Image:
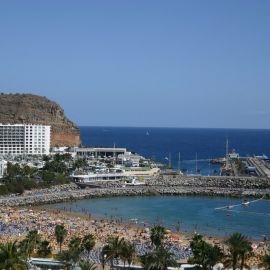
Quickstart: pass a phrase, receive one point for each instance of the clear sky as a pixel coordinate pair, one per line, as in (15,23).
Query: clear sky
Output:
(142,62)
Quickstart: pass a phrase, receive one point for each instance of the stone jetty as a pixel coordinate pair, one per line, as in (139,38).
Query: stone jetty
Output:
(161,185)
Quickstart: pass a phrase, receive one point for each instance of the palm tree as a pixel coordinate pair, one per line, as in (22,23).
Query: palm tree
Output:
(266,261)
(44,249)
(157,235)
(112,249)
(23,247)
(60,233)
(30,243)
(127,253)
(159,259)
(71,256)
(87,266)
(205,256)
(11,258)
(75,249)
(75,242)
(65,257)
(33,238)
(88,243)
(239,248)
(246,251)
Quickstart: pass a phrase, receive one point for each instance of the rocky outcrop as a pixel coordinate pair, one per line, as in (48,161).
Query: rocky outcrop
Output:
(32,109)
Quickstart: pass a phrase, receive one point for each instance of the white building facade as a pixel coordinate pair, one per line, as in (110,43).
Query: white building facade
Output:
(3,167)
(24,139)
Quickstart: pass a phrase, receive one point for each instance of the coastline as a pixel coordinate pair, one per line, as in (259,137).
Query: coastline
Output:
(35,207)
(79,224)
(72,192)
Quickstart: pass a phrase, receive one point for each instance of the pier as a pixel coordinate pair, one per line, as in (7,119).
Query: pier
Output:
(262,168)
(247,166)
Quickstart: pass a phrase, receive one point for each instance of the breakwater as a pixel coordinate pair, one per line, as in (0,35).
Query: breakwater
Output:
(212,181)
(161,185)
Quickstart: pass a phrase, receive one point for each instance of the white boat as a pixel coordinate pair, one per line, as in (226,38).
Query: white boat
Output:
(245,203)
(93,179)
(134,182)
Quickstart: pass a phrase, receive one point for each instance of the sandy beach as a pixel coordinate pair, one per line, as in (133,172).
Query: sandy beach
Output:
(16,222)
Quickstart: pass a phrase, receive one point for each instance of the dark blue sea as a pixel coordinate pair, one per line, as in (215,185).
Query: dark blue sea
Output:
(158,143)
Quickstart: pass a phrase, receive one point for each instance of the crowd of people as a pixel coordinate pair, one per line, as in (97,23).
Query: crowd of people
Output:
(17,222)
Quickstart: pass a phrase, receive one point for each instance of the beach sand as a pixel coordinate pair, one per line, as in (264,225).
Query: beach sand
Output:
(18,221)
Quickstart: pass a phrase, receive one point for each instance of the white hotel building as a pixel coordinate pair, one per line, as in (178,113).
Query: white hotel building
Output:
(24,139)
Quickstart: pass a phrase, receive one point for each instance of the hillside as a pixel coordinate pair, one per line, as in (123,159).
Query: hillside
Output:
(32,109)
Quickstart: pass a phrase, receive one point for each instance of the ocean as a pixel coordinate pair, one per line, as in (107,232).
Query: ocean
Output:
(160,143)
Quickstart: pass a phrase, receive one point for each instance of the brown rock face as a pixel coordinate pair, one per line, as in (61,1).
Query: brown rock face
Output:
(32,109)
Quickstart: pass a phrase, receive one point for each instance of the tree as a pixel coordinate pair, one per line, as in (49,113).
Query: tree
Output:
(204,254)
(75,249)
(44,249)
(266,261)
(80,163)
(88,243)
(30,243)
(87,266)
(11,258)
(159,259)
(33,238)
(246,252)
(127,253)
(60,233)
(75,242)
(72,255)
(157,235)
(239,247)
(112,249)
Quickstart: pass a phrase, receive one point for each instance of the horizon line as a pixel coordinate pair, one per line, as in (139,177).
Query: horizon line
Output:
(172,127)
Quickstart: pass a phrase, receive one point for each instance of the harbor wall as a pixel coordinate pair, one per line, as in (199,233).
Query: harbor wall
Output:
(212,181)
(161,185)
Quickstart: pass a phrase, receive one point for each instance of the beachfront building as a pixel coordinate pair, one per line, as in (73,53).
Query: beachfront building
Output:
(24,139)
(3,167)
(99,152)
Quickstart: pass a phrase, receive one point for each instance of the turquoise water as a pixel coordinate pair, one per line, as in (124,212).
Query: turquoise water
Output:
(192,213)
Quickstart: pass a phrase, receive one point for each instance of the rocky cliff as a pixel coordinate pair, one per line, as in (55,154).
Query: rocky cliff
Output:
(32,109)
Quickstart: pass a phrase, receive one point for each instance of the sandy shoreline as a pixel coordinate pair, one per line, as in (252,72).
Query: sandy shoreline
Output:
(20,214)
(44,219)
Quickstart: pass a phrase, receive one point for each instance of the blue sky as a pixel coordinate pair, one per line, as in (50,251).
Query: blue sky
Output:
(142,63)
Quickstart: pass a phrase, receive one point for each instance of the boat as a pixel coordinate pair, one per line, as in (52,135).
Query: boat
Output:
(134,182)
(245,203)
(95,179)
(179,164)
(197,170)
